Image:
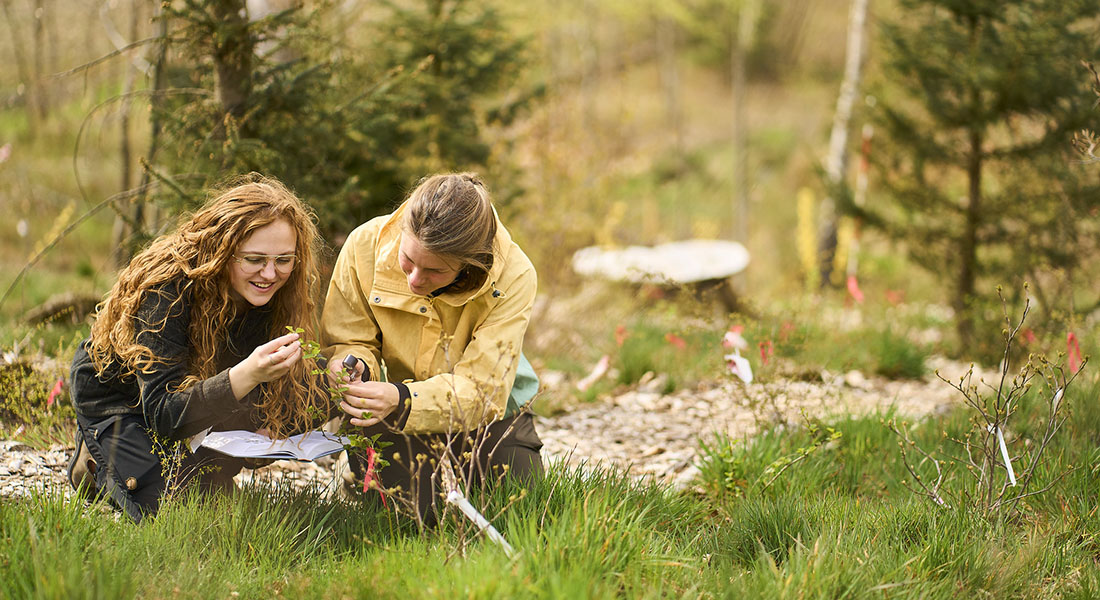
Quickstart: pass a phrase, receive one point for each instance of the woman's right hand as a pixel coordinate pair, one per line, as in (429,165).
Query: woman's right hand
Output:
(267,362)
(340,375)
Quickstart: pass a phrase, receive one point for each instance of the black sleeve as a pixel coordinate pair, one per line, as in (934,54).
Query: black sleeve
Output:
(403,405)
(162,325)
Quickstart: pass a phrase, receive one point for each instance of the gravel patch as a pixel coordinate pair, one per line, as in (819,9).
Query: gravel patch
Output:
(657,436)
(642,431)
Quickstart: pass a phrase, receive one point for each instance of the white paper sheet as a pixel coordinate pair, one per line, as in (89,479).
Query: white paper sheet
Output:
(247,444)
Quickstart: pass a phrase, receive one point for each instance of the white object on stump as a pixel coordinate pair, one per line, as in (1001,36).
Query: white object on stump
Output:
(688,261)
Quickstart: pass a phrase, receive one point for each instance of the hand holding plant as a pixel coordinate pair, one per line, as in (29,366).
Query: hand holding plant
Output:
(368,402)
(340,378)
(267,362)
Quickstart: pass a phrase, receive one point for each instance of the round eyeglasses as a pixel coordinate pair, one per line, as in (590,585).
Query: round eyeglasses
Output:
(254,263)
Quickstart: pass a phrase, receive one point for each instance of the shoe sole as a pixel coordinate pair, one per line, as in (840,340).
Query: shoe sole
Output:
(85,486)
(72,460)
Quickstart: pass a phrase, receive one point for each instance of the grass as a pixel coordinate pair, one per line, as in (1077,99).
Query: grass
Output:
(687,355)
(579,535)
(871,344)
(838,524)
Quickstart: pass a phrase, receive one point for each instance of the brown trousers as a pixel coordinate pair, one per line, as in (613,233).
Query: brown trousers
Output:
(508,448)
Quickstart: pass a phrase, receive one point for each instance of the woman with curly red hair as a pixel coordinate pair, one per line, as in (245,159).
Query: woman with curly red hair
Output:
(193,336)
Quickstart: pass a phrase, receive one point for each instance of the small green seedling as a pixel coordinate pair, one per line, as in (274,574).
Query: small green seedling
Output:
(357,443)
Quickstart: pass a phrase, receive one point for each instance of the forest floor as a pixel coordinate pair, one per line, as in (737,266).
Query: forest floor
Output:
(647,433)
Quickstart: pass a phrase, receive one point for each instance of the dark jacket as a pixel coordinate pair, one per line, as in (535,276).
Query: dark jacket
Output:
(168,411)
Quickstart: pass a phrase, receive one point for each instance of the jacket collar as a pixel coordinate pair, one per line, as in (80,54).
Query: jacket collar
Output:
(389,276)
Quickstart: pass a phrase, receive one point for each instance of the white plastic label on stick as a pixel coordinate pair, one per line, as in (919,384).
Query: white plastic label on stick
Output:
(1004,454)
(740,367)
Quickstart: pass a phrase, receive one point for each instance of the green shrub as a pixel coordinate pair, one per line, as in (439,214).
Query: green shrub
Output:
(25,403)
(897,357)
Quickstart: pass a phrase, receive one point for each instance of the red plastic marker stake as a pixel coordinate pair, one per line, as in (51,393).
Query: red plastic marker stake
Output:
(1073,352)
(55,392)
(372,475)
(765,351)
(853,289)
(785,331)
(676,340)
(620,335)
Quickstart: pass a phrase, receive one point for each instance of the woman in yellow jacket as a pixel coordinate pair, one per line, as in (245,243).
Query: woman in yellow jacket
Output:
(433,301)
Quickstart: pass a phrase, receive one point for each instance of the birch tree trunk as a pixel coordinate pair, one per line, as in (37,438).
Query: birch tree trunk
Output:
(152,215)
(670,80)
(28,87)
(41,95)
(131,215)
(836,160)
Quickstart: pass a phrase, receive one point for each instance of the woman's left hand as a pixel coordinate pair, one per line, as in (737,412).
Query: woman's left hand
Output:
(368,402)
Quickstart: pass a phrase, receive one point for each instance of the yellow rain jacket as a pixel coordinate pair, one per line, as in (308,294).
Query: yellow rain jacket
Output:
(457,352)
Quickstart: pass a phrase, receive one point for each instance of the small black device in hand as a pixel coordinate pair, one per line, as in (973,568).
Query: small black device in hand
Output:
(351,361)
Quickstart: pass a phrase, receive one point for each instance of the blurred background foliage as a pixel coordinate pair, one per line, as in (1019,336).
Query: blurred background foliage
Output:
(596,123)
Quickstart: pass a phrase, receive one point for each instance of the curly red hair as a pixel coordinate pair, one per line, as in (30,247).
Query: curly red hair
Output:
(199,252)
